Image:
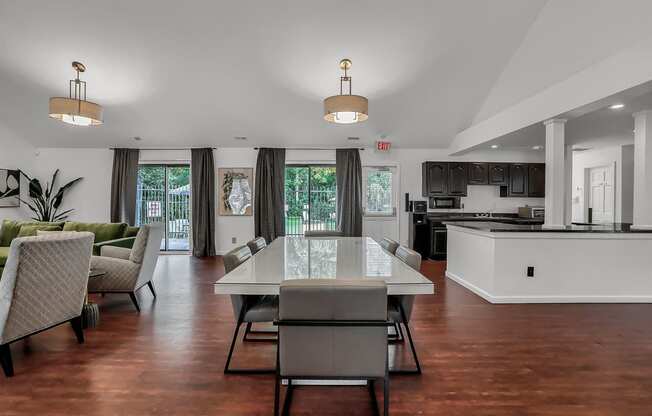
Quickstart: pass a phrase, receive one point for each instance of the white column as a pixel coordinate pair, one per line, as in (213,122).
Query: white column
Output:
(643,170)
(555,173)
(568,198)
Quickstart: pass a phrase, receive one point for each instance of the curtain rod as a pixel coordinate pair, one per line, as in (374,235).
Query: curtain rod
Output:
(316,148)
(167,148)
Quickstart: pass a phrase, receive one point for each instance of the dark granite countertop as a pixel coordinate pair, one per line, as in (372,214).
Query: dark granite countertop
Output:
(497,227)
(494,218)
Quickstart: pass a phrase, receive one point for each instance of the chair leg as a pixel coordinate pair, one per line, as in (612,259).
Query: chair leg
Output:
(150,285)
(76,324)
(249,330)
(134,300)
(287,402)
(6,361)
(412,347)
(371,384)
(386,395)
(277,385)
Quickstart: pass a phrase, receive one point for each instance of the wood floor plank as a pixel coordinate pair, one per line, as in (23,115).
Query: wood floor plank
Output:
(477,358)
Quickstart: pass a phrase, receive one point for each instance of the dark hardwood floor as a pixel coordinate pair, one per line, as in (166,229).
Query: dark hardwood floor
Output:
(478,359)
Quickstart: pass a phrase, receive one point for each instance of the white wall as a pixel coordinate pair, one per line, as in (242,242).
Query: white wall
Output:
(623,158)
(15,153)
(91,197)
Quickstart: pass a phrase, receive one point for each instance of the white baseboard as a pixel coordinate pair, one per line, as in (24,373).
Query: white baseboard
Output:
(547,299)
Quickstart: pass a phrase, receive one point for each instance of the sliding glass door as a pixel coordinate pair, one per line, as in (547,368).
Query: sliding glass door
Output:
(310,198)
(164,196)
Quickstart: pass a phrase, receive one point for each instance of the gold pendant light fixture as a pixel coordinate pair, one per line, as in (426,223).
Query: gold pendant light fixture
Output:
(346,108)
(75,109)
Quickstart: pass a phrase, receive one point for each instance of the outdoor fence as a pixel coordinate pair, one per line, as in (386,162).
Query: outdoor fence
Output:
(151,207)
(310,210)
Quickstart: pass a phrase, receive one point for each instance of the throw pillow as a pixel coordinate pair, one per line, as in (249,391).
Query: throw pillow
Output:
(30,230)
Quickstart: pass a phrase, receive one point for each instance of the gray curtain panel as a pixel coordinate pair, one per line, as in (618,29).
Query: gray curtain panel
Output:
(269,201)
(203,202)
(123,185)
(349,192)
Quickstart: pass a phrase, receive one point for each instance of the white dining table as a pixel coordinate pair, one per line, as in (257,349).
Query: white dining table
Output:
(349,258)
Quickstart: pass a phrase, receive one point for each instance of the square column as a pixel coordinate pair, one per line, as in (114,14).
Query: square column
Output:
(555,173)
(568,198)
(643,170)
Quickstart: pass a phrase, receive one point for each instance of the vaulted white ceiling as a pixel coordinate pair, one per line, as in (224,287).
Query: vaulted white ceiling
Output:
(197,73)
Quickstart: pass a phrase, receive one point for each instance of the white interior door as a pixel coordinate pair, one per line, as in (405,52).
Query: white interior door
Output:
(601,194)
(380,202)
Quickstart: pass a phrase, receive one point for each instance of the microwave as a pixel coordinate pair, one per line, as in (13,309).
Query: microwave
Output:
(444,202)
(531,212)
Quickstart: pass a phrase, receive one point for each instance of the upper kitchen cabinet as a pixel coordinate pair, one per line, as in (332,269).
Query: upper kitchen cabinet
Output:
(517,181)
(457,178)
(434,179)
(478,173)
(499,174)
(537,180)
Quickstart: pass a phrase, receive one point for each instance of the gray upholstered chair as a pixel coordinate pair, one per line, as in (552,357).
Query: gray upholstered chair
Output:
(389,245)
(43,285)
(332,329)
(323,233)
(247,309)
(257,244)
(128,270)
(400,307)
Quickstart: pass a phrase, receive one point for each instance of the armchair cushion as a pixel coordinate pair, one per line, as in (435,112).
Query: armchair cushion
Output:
(126,242)
(115,252)
(121,275)
(138,249)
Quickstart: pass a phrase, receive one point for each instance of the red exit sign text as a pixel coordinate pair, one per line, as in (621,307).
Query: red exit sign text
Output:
(382,146)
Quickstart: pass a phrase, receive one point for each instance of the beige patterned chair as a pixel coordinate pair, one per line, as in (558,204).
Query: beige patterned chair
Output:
(43,285)
(128,270)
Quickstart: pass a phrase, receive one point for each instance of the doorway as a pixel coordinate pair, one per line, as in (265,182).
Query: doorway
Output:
(310,198)
(601,195)
(380,199)
(163,196)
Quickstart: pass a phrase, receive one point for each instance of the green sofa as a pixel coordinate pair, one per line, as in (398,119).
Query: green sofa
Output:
(106,234)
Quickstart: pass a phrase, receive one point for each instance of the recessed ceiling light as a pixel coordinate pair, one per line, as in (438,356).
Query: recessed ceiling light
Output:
(138,138)
(494,146)
(353,138)
(617,106)
(537,147)
(240,138)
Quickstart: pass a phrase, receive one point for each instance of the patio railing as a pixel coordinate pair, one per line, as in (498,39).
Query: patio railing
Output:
(150,208)
(318,214)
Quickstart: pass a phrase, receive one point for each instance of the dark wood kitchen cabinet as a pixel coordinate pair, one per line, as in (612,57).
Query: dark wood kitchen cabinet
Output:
(518,181)
(434,179)
(499,174)
(537,180)
(478,173)
(457,178)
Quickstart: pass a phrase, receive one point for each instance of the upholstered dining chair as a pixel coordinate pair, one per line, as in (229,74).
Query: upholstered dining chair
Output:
(246,308)
(43,285)
(128,270)
(323,233)
(257,244)
(389,245)
(332,329)
(400,307)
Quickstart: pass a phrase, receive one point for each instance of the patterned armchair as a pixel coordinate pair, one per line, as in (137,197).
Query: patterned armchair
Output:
(128,270)
(43,285)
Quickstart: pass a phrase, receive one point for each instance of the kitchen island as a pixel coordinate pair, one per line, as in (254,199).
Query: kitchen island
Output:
(519,263)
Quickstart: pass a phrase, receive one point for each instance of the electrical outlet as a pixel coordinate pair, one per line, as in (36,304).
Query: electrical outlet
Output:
(234,240)
(530,271)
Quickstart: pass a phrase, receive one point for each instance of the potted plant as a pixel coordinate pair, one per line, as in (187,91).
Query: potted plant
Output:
(45,201)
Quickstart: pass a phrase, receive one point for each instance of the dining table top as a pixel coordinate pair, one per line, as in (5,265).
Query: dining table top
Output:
(296,257)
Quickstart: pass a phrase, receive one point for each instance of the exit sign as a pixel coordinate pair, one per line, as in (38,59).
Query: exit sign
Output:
(383,146)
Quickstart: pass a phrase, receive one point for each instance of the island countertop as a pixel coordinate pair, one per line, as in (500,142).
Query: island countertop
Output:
(495,227)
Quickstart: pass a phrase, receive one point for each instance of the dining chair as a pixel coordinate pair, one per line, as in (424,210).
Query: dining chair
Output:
(400,306)
(323,233)
(332,329)
(389,245)
(247,308)
(43,285)
(257,244)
